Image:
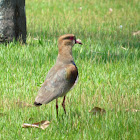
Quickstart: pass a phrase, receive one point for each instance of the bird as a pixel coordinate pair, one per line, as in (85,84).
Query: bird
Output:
(62,76)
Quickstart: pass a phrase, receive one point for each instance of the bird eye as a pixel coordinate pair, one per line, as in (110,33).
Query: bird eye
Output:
(71,38)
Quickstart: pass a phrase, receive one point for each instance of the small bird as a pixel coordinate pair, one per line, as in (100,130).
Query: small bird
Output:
(62,76)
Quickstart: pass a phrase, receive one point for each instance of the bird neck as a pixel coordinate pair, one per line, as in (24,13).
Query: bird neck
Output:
(65,54)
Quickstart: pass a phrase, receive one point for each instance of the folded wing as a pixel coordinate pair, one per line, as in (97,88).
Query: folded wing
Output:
(57,85)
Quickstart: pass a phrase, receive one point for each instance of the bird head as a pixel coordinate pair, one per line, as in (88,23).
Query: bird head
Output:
(65,44)
(68,40)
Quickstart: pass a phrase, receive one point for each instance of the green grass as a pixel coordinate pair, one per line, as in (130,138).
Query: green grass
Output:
(108,64)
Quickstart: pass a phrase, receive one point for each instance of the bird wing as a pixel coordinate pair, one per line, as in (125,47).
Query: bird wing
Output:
(57,85)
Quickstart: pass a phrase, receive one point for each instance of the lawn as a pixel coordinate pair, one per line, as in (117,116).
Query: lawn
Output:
(108,64)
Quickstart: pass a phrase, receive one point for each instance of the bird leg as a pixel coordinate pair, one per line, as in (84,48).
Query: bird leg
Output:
(63,104)
(57,107)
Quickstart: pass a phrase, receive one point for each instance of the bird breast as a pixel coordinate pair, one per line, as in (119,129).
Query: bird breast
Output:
(72,73)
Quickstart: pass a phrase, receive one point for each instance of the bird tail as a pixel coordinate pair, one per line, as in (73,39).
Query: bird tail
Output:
(37,104)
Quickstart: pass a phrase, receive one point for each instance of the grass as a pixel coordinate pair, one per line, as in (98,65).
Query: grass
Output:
(108,64)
